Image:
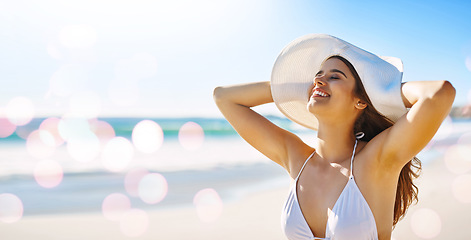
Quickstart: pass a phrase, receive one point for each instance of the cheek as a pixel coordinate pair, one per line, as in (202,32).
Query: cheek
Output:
(342,90)
(344,95)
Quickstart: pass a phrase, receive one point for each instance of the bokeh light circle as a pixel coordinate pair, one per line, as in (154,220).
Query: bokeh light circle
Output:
(457,158)
(47,138)
(191,136)
(51,125)
(11,208)
(115,205)
(40,144)
(147,136)
(20,111)
(426,223)
(461,188)
(73,127)
(103,130)
(6,128)
(48,173)
(208,205)
(132,179)
(134,223)
(85,148)
(117,154)
(153,188)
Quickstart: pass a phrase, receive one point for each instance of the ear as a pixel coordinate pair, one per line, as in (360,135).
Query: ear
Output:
(360,105)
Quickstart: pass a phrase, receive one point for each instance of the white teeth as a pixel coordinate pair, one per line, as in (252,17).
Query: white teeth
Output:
(320,93)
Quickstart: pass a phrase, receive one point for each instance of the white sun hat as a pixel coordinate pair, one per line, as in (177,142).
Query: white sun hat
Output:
(296,66)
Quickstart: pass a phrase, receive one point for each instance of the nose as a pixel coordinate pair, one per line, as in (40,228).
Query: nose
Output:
(319,80)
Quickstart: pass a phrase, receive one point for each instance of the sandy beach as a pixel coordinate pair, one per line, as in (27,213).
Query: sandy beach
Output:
(438,215)
(256,217)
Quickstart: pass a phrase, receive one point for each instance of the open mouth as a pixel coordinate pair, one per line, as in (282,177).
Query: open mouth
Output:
(319,93)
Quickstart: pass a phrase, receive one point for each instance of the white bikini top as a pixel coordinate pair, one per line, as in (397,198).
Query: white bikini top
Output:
(351,218)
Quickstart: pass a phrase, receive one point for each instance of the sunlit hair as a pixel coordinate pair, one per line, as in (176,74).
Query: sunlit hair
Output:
(371,122)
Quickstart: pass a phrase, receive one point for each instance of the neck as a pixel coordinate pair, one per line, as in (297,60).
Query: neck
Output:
(335,142)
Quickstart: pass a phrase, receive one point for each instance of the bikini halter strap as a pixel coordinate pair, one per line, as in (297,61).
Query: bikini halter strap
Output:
(358,135)
(302,168)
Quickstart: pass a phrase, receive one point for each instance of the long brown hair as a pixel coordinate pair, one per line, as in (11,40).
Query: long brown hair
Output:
(371,122)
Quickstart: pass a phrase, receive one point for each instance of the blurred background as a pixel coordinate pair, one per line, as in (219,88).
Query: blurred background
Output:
(108,128)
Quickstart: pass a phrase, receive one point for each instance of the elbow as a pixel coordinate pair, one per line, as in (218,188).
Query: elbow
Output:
(218,94)
(449,87)
(443,94)
(447,91)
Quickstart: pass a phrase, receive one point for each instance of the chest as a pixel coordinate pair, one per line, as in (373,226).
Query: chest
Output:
(331,197)
(317,193)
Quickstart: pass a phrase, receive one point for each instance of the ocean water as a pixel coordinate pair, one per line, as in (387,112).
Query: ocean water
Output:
(203,144)
(188,155)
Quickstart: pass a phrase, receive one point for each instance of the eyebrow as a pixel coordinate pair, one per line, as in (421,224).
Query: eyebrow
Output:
(332,70)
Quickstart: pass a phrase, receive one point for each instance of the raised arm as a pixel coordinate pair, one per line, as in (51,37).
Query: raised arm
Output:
(429,103)
(235,104)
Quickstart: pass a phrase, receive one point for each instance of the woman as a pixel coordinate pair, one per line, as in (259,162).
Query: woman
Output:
(356,183)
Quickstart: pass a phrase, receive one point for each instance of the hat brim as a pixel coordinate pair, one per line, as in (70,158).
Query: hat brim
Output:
(297,64)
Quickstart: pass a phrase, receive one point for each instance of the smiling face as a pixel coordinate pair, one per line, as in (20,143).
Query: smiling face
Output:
(332,94)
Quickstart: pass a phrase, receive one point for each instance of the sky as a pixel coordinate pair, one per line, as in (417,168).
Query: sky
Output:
(100,58)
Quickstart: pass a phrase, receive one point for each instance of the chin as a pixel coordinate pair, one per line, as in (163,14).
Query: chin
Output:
(318,107)
(313,107)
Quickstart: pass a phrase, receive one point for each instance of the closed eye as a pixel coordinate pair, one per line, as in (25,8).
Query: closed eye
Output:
(338,71)
(334,76)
